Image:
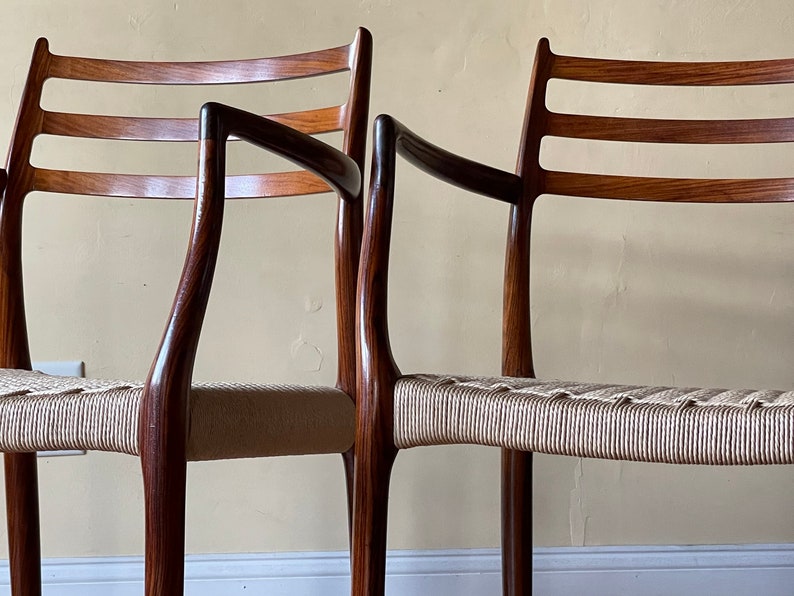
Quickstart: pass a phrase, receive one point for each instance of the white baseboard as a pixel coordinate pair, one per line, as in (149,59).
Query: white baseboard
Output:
(754,570)
(762,570)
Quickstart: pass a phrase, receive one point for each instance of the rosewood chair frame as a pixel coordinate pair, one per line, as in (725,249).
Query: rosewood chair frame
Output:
(376,440)
(162,432)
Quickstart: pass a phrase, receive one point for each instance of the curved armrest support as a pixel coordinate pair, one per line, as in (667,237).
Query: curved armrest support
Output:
(14,351)
(169,380)
(439,163)
(376,364)
(219,121)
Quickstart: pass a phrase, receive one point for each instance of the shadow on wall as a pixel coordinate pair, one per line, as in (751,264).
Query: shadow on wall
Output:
(663,294)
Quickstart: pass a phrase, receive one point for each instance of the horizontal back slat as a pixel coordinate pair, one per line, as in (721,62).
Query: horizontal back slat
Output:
(313,121)
(686,190)
(201,73)
(38,121)
(176,187)
(119,127)
(607,128)
(631,72)
(172,129)
(660,130)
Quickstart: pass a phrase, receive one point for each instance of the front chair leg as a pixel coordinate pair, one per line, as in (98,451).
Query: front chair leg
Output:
(371,498)
(164,495)
(22,509)
(516,523)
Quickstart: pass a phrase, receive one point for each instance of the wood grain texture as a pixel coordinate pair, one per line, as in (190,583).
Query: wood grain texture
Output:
(128,128)
(377,369)
(375,450)
(638,72)
(516,505)
(374,446)
(653,130)
(681,190)
(347,245)
(22,519)
(131,186)
(21,478)
(39,121)
(517,361)
(453,169)
(350,216)
(219,122)
(164,406)
(278,68)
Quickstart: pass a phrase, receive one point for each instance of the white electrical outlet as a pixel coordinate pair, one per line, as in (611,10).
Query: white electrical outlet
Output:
(63,368)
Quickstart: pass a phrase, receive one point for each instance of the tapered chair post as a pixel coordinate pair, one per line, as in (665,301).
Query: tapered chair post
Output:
(347,246)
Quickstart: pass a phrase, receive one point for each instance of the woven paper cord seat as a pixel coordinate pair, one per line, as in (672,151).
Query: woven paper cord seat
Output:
(628,422)
(46,412)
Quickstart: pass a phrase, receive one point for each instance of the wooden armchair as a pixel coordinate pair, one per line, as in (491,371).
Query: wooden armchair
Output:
(164,420)
(518,412)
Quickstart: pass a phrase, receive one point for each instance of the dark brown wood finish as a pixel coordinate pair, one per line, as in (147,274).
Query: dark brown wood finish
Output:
(377,370)
(167,390)
(693,74)
(21,478)
(516,335)
(315,121)
(349,229)
(127,128)
(280,68)
(375,449)
(650,130)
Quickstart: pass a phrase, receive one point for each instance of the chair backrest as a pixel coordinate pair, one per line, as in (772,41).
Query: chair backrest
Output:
(33,120)
(541,122)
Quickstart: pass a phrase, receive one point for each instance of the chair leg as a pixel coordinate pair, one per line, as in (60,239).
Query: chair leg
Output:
(164,493)
(22,508)
(516,523)
(371,507)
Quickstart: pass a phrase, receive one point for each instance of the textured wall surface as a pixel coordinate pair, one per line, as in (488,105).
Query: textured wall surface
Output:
(622,292)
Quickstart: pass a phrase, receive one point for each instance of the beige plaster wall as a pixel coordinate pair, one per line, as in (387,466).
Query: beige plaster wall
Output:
(622,292)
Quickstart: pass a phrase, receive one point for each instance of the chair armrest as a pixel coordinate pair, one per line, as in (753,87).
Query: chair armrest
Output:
(393,137)
(219,121)
(390,138)
(169,380)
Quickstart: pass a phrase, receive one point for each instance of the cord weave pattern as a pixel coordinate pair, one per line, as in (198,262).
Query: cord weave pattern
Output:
(625,422)
(41,412)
